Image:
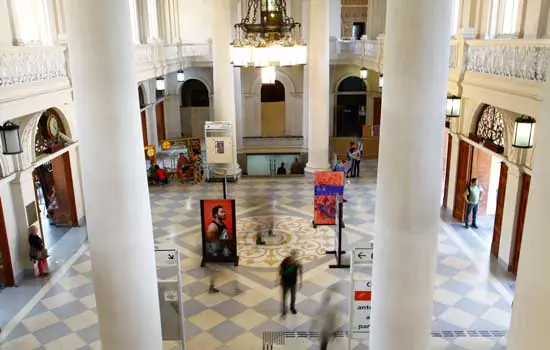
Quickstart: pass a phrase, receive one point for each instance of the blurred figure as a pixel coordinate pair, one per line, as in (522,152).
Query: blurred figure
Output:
(281,170)
(37,252)
(288,278)
(326,320)
(297,167)
(213,277)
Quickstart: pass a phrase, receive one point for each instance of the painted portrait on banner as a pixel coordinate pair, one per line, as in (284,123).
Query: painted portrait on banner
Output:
(219,240)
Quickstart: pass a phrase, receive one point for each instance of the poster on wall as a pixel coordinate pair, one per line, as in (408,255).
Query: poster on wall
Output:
(219,239)
(328,184)
(219,150)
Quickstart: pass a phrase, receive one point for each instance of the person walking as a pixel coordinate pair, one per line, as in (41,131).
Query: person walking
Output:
(289,270)
(326,319)
(37,252)
(358,156)
(351,159)
(473,195)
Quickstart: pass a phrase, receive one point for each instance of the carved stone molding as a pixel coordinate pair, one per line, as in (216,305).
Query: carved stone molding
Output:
(527,62)
(24,64)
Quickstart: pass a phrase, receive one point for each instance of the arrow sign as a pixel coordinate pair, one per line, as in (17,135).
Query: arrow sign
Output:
(363,255)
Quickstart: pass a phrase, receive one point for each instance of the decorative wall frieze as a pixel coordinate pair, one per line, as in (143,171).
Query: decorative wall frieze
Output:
(28,64)
(515,59)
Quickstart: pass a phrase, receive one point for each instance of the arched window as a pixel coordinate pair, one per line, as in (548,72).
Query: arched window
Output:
(31,22)
(504,18)
(490,126)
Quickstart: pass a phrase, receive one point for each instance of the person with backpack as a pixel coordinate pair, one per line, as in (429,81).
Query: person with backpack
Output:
(289,270)
(473,195)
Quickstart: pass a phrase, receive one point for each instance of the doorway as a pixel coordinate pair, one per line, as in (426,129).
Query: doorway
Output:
(273,109)
(53,180)
(7,277)
(358,30)
(194,108)
(351,102)
(492,175)
(142,107)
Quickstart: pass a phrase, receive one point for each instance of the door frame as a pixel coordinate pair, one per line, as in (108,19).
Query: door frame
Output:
(465,151)
(9,276)
(523,198)
(447,169)
(499,213)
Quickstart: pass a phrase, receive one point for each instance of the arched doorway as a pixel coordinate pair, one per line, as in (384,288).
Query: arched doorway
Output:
(142,105)
(273,109)
(54,190)
(194,108)
(351,102)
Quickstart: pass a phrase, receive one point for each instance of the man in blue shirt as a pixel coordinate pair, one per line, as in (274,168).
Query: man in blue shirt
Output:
(341,166)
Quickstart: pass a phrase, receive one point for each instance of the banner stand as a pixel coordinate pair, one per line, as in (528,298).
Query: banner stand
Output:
(338,239)
(215,250)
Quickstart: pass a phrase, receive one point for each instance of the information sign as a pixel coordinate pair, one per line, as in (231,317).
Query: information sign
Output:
(362,298)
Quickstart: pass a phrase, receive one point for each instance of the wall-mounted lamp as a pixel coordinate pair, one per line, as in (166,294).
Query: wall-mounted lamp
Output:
(452,109)
(180,76)
(268,75)
(364,73)
(381,81)
(524,132)
(11,140)
(160,84)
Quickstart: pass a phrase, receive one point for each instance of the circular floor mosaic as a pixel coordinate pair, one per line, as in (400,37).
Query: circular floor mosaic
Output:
(288,233)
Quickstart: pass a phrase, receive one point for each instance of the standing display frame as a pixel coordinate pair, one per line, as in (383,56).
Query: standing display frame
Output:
(328,185)
(219,231)
(218,137)
(360,293)
(170,298)
(337,252)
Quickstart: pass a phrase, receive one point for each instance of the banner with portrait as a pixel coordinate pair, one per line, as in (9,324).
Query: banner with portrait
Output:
(328,184)
(219,150)
(219,236)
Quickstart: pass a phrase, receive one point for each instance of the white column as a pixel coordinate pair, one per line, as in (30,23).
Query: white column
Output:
(304,14)
(117,202)
(376,18)
(531,311)
(407,221)
(318,86)
(224,84)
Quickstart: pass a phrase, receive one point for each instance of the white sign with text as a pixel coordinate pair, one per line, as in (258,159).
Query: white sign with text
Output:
(361,309)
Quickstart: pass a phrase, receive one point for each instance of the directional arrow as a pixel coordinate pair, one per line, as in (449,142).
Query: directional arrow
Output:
(361,255)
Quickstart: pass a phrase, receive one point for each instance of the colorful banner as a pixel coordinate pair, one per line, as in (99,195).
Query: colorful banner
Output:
(219,239)
(328,185)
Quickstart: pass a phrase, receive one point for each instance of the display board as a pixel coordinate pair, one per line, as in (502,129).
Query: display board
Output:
(219,150)
(219,238)
(170,298)
(328,184)
(360,293)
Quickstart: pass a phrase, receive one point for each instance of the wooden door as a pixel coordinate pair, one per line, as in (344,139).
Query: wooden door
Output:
(161,130)
(377,111)
(520,222)
(7,277)
(462,177)
(499,213)
(447,169)
(63,182)
(144,128)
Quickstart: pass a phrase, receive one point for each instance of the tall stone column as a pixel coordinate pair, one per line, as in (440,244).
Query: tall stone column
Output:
(531,311)
(117,201)
(376,18)
(318,94)
(407,221)
(224,83)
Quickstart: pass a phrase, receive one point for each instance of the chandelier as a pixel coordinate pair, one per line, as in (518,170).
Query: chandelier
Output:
(274,41)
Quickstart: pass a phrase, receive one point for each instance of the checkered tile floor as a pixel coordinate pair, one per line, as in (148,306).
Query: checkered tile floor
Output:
(467,296)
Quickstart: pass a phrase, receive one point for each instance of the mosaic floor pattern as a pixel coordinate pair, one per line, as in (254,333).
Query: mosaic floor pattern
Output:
(245,314)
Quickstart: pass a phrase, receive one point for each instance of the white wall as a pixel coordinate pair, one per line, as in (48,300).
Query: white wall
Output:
(6,38)
(335,29)
(11,227)
(196,20)
(509,220)
(192,120)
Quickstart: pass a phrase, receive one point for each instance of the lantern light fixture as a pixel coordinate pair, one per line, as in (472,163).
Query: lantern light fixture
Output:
(180,75)
(524,132)
(268,75)
(381,81)
(160,84)
(364,73)
(11,140)
(452,109)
